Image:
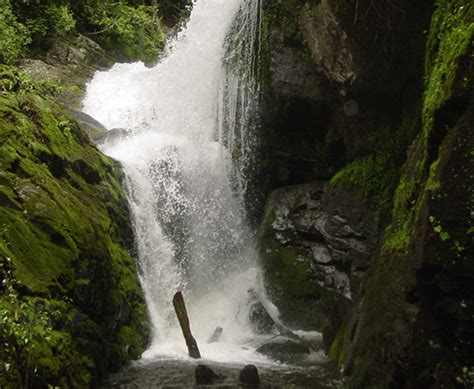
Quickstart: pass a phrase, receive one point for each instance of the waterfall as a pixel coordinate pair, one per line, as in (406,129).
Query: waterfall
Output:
(185,119)
(239,96)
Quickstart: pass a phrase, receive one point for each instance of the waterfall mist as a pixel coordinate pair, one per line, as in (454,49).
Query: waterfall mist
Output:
(188,153)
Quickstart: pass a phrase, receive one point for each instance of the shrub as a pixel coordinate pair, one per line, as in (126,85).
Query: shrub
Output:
(61,19)
(131,32)
(15,36)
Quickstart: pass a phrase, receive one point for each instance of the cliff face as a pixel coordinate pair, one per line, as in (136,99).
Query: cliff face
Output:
(376,100)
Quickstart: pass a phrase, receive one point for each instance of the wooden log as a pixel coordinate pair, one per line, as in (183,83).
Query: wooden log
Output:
(182,314)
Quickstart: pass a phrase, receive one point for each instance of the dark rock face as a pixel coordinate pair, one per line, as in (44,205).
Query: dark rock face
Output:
(332,74)
(96,130)
(249,376)
(316,242)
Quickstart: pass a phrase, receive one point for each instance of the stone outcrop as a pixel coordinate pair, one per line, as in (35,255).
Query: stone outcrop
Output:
(70,62)
(285,350)
(66,67)
(316,243)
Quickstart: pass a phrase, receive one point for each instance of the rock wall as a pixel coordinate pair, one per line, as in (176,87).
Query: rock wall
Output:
(333,75)
(350,104)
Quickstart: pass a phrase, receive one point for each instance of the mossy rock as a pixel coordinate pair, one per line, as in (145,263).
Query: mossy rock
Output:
(70,292)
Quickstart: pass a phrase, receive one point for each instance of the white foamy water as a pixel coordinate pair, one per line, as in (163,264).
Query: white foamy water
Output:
(183,118)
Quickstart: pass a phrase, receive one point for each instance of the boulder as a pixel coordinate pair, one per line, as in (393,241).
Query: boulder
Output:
(107,136)
(249,376)
(205,375)
(260,319)
(284,349)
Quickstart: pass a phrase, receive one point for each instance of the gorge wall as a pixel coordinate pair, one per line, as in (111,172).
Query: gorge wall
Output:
(368,133)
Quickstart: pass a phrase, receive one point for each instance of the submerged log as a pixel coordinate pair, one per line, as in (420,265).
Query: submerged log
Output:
(182,314)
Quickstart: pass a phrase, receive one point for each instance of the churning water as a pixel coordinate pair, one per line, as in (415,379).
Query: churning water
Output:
(186,120)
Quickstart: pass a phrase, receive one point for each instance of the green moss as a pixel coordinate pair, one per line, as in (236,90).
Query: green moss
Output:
(450,39)
(397,241)
(339,349)
(377,174)
(70,282)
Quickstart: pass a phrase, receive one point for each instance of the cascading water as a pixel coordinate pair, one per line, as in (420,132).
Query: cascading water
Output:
(185,119)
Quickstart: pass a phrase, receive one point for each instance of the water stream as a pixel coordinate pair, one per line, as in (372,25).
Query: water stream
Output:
(187,143)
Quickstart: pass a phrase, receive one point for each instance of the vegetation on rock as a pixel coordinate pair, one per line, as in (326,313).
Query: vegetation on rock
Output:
(130,30)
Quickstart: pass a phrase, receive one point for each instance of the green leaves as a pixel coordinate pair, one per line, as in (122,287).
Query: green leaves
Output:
(61,18)
(130,32)
(15,36)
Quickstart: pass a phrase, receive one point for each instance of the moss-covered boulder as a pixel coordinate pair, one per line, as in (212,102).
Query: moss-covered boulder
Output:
(71,307)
